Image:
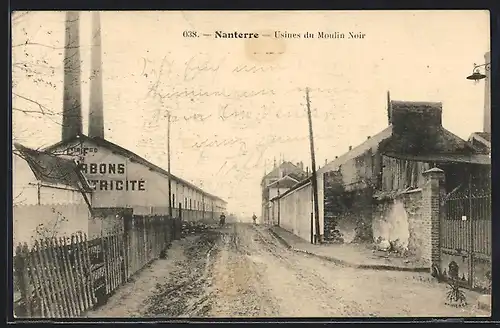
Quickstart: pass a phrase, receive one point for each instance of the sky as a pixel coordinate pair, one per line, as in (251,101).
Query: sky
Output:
(239,104)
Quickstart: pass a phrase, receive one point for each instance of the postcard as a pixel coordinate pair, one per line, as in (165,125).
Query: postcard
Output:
(251,164)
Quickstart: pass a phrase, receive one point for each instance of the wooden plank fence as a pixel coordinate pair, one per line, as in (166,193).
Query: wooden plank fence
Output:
(67,276)
(53,277)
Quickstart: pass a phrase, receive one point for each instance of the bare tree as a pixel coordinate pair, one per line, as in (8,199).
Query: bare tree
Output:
(32,71)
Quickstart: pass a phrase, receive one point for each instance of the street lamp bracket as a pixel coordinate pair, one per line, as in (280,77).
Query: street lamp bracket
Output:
(476,74)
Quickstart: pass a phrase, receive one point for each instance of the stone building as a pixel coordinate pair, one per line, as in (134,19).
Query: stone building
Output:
(394,186)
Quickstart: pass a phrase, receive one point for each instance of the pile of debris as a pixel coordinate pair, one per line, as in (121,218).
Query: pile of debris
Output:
(334,236)
(191,227)
(390,246)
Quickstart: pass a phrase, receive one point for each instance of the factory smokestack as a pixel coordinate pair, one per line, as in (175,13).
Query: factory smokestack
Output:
(96,115)
(72,98)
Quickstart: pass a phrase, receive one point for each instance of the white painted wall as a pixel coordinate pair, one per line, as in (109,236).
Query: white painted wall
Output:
(146,188)
(154,193)
(58,211)
(295,212)
(273,192)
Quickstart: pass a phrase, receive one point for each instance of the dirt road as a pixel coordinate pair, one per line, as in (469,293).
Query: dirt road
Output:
(244,271)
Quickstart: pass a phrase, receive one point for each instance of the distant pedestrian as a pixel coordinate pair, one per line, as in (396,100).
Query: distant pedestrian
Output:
(222,220)
(254,218)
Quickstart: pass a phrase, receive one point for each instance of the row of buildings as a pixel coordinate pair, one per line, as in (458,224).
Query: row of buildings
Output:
(414,184)
(84,181)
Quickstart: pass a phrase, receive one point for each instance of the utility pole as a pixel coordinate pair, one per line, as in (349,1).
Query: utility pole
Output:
(314,179)
(168,167)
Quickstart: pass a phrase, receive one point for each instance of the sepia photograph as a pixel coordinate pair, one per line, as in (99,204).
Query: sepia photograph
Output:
(251,164)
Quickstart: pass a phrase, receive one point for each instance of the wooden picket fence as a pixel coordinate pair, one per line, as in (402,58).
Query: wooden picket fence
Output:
(146,239)
(67,276)
(53,277)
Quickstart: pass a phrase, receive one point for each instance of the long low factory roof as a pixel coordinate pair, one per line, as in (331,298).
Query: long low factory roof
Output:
(132,156)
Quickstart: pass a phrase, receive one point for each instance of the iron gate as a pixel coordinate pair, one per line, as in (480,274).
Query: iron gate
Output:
(466,237)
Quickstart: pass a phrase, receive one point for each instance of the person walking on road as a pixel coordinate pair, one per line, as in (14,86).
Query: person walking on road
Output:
(222,220)
(254,218)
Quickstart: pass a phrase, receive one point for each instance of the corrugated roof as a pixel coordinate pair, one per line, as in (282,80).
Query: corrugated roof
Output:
(485,135)
(53,169)
(445,158)
(127,153)
(483,138)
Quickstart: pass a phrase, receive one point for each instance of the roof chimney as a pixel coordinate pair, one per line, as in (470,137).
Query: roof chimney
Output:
(487,95)
(389,107)
(96,116)
(350,147)
(368,137)
(411,114)
(326,161)
(301,165)
(416,125)
(336,157)
(72,98)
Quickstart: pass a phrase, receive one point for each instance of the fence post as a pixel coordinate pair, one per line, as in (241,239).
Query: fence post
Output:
(433,197)
(178,225)
(145,233)
(312,228)
(126,245)
(21,271)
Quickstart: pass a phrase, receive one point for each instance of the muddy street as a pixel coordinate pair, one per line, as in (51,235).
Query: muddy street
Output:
(244,271)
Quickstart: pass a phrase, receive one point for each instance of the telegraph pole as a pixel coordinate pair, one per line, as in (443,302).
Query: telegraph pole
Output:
(168,168)
(314,179)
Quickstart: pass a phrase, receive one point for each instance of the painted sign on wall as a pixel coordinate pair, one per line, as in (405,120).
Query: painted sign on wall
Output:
(104,172)
(108,170)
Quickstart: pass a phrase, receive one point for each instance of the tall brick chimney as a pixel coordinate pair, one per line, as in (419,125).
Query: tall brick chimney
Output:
(487,95)
(416,125)
(72,97)
(96,115)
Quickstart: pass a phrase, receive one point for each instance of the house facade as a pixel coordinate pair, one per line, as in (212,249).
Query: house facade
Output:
(276,182)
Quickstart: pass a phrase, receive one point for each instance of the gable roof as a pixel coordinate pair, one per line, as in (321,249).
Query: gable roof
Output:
(485,135)
(483,138)
(291,169)
(448,147)
(285,182)
(298,185)
(132,156)
(370,143)
(53,169)
(443,142)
